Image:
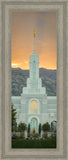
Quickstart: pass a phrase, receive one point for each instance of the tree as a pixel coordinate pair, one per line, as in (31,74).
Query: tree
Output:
(21,127)
(13,117)
(28,128)
(46,127)
(39,128)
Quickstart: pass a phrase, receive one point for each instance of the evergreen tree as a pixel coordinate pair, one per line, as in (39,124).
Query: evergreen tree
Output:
(21,127)
(13,118)
(39,128)
(46,127)
(28,128)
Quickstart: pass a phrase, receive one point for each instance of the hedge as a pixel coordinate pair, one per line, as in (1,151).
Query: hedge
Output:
(34,143)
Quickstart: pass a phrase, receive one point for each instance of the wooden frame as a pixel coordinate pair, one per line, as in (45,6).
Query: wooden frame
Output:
(62,84)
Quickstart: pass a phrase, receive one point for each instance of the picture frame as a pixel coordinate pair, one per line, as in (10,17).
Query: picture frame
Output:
(61,9)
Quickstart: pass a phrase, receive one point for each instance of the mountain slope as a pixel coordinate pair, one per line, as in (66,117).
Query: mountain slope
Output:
(19,80)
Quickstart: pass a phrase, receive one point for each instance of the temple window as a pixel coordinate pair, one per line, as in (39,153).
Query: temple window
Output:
(34,107)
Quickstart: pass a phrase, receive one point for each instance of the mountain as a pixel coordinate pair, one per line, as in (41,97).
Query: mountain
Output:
(19,80)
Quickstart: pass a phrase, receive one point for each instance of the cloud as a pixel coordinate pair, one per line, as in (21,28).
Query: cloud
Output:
(23,25)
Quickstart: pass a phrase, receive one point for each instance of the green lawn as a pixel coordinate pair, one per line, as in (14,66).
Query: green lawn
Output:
(34,143)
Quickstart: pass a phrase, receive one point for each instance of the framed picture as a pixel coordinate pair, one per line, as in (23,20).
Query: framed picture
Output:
(34,79)
(34,100)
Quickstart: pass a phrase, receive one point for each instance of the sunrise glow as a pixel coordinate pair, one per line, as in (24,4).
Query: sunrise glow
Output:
(23,25)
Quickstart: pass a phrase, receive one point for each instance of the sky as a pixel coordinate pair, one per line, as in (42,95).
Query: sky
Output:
(22,39)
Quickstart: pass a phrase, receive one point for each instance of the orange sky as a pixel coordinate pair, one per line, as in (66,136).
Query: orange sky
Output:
(23,25)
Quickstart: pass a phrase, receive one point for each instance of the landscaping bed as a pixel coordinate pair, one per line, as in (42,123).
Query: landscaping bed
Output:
(34,143)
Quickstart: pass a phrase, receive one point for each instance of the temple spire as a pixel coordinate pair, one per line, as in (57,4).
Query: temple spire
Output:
(34,52)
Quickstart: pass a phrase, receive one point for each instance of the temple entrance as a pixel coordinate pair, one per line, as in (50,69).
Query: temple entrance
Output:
(34,125)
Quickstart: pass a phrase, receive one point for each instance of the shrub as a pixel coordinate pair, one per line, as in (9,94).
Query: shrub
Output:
(14,136)
(21,127)
(34,143)
(46,127)
(36,135)
(22,136)
(45,135)
(29,135)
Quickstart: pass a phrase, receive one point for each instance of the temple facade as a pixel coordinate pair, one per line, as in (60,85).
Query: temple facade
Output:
(34,107)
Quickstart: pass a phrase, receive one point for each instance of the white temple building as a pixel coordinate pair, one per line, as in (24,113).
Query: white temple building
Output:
(34,107)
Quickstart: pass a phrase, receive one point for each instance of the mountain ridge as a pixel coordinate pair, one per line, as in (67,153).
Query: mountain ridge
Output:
(19,80)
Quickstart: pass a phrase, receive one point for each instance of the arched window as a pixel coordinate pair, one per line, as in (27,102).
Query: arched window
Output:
(34,107)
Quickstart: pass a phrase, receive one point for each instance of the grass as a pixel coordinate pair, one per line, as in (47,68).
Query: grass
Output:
(34,143)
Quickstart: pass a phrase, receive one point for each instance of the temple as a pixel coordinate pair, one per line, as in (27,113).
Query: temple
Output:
(34,107)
